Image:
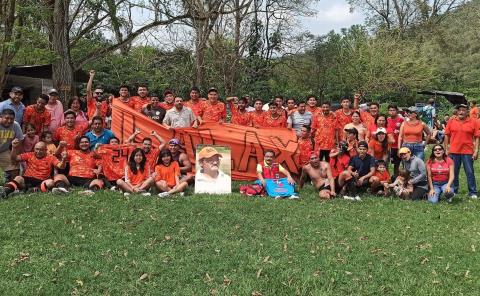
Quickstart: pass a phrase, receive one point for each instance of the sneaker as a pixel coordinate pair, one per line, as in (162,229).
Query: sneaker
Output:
(146,194)
(293,196)
(181,194)
(278,197)
(348,197)
(126,193)
(59,190)
(87,192)
(473,196)
(380,192)
(163,194)
(449,196)
(114,188)
(357,198)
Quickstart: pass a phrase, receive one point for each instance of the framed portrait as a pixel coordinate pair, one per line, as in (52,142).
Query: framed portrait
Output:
(213,166)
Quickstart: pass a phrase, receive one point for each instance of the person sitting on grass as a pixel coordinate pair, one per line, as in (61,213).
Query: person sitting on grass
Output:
(137,177)
(380,178)
(270,175)
(321,176)
(167,175)
(401,187)
(360,168)
(83,171)
(47,138)
(440,173)
(38,173)
(339,160)
(418,173)
(378,146)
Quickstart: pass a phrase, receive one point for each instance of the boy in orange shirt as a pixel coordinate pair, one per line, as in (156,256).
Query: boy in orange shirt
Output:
(380,178)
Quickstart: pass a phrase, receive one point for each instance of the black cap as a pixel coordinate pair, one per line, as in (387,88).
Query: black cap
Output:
(362,144)
(212,89)
(461,106)
(17,89)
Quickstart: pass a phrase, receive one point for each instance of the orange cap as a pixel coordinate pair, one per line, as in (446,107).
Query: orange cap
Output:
(208,152)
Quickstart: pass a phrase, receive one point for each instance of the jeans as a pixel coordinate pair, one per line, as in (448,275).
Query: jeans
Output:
(439,188)
(416,148)
(467,161)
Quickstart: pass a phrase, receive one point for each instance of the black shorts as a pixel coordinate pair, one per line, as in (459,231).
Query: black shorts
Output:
(394,159)
(79,181)
(324,154)
(32,182)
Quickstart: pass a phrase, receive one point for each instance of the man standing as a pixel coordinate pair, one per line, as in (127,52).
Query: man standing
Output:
(299,118)
(154,109)
(320,174)
(55,107)
(368,117)
(325,129)
(473,110)
(430,112)
(240,115)
(142,99)
(179,116)
(312,105)
(9,130)
(394,122)
(95,100)
(274,117)
(195,103)
(291,106)
(15,103)
(344,114)
(37,115)
(168,100)
(258,115)
(124,96)
(99,134)
(212,110)
(461,144)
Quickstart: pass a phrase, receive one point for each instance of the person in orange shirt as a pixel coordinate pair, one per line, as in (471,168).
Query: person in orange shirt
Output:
(352,141)
(258,115)
(368,117)
(240,116)
(142,99)
(151,153)
(325,129)
(305,146)
(312,105)
(274,117)
(113,158)
(138,178)
(212,110)
(378,146)
(167,175)
(344,114)
(195,103)
(38,115)
(70,131)
(96,105)
(473,110)
(291,106)
(38,172)
(124,96)
(168,99)
(84,168)
(380,178)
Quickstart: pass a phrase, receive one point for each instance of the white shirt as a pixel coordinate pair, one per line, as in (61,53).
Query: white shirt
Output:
(221,185)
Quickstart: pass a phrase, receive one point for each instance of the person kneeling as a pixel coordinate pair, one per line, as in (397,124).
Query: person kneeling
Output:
(360,168)
(321,176)
(270,176)
(38,172)
(167,175)
(137,175)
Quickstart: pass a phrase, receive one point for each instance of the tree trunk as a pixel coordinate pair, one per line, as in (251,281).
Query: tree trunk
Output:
(7,49)
(200,45)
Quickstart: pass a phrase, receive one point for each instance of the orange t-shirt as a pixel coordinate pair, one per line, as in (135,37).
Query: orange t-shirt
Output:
(130,103)
(195,106)
(383,177)
(291,111)
(412,133)
(39,120)
(38,168)
(241,118)
(92,107)
(305,147)
(376,149)
(82,164)
(168,173)
(325,127)
(268,121)
(213,112)
(343,119)
(474,113)
(257,118)
(462,134)
(139,177)
(166,106)
(367,118)
(139,102)
(113,159)
(152,158)
(70,136)
(313,110)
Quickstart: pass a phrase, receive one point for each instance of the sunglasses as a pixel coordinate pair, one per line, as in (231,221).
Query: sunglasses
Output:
(99,93)
(438,149)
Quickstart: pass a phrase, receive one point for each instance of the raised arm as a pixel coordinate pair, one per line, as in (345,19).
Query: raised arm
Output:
(90,84)
(132,137)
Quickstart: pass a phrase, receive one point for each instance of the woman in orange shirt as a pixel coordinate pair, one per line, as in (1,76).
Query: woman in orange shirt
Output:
(378,147)
(411,134)
(167,175)
(137,175)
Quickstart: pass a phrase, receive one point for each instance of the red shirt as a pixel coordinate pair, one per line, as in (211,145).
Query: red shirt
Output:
(326,127)
(70,136)
(394,128)
(38,168)
(339,164)
(167,106)
(213,112)
(313,110)
(92,107)
(38,119)
(462,134)
(305,147)
(152,158)
(376,149)
(130,103)
(268,121)
(195,106)
(113,159)
(137,178)
(82,164)
(257,118)
(383,177)
(440,169)
(367,118)
(241,118)
(342,118)
(139,102)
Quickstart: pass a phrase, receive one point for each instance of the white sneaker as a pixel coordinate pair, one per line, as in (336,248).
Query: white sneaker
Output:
(163,194)
(114,188)
(87,192)
(59,190)
(293,196)
(357,198)
(474,196)
(126,193)
(278,197)
(181,193)
(146,194)
(348,197)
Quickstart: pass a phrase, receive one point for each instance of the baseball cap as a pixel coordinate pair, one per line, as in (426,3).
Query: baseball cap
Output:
(212,89)
(381,130)
(17,89)
(362,144)
(412,109)
(404,150)
(208,152)
(53,91)
(174,141)
(461,106)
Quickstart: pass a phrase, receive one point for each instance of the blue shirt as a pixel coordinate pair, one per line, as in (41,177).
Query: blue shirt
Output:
(104,138)
(362,166)
(18,109)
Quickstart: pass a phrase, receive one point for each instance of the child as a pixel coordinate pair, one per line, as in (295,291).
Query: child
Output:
(30,139)
(270,174)
(137,175)
(380,178)
(47,138)
(167,175)
(352,140)
(401,188)
(305,146)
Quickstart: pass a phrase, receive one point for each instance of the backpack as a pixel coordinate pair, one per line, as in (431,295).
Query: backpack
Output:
(252,190)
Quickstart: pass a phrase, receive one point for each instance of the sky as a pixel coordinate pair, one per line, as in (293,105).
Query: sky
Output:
(331,15)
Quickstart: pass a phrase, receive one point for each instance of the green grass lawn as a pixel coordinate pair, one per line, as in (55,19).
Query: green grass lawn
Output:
(236,245)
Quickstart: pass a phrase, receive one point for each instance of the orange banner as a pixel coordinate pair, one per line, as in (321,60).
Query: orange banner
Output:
(247,143)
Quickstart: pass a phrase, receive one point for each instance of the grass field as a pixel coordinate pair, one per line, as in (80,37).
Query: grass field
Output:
(235,245)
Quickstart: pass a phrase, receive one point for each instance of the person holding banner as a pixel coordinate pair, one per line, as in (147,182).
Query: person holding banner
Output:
(142,99)
(321,176)
(180,116)
(212,110)
(195,103)
(124,96)
(258,114)
(168,99)
(154,109)
(299,118)
(270,176)
(274,117)
(113,159)
(240,116)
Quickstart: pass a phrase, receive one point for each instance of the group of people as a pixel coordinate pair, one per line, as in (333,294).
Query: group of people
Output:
(342,152)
